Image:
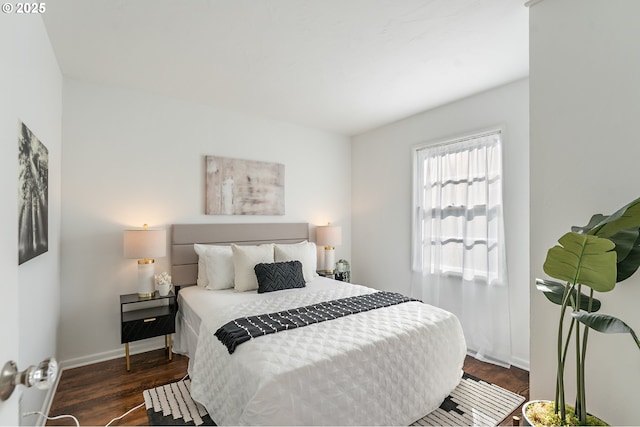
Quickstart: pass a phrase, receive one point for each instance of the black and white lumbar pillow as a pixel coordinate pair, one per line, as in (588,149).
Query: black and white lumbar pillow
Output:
(277,276)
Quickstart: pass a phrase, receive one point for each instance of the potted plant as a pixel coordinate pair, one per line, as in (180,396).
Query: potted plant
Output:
(589,259)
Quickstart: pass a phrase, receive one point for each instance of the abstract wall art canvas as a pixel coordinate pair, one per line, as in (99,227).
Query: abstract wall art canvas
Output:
(33,196)
(243,187)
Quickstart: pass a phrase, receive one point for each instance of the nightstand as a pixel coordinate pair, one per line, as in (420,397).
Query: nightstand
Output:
(325,274)
(340,276)
(142,318)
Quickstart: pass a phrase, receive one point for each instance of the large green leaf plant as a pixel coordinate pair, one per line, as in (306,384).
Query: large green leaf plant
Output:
(590,258)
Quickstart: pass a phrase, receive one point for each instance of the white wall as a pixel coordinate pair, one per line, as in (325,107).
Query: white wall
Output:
(382,186)
(585,104)
(31,88)
(132,158)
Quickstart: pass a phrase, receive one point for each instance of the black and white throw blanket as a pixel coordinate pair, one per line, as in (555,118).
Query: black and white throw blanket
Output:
(243,329)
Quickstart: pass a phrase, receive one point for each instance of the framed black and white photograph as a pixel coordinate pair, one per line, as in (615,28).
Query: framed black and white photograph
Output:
(33,196)
(244,187)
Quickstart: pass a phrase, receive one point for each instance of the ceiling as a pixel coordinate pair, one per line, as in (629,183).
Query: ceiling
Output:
(344,66)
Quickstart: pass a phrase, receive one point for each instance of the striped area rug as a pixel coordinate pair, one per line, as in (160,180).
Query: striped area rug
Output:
(474,402)
(171,404)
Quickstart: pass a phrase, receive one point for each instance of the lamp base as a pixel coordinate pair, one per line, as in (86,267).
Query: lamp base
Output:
(146,285)
(329,259)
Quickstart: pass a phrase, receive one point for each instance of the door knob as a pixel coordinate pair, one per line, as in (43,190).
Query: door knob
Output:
(42,376)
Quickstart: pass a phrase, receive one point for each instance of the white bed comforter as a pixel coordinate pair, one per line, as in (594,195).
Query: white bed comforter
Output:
(388,366)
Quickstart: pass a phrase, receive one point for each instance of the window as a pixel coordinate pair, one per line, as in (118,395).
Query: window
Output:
(458,208)
(459,256)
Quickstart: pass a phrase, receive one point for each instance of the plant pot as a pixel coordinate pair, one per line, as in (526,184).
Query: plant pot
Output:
(525,420)
(591,420)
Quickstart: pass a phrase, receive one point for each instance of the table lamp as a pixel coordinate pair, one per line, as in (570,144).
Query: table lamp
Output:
(145,245)
(329,236)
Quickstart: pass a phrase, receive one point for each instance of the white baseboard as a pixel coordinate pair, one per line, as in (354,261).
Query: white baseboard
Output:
(48,400)
(134,348)
(515,361)
(41,419)
(520,363)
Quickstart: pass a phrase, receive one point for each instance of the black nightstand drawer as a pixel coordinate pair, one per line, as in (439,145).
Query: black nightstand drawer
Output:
(148,327)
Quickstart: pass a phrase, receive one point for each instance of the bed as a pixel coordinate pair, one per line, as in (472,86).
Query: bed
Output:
(388,366)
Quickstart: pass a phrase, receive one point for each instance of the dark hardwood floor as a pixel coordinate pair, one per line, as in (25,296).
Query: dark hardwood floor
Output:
(97,393)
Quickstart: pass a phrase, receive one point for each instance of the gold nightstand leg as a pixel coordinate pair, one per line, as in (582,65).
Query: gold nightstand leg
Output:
(170,347)
(126,349)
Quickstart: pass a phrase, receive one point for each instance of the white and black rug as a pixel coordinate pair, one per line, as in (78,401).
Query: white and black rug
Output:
(172,405)
(474,402)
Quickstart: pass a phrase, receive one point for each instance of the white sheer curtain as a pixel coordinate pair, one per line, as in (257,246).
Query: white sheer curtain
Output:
(459,261)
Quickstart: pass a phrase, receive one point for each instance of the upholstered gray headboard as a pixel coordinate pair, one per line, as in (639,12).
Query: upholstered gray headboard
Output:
(184,260)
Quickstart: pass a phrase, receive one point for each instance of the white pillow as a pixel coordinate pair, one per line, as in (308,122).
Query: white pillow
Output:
(305,252)
(245,259)
(217,267)
(202,266)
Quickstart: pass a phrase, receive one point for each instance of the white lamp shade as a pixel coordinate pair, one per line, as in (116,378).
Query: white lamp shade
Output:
(142,244)
(328,235)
